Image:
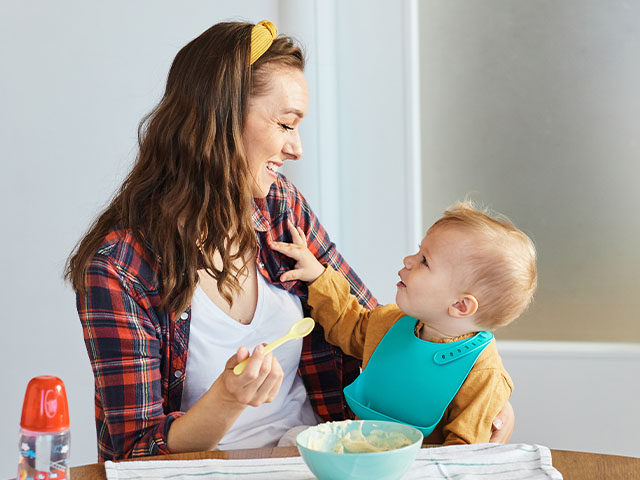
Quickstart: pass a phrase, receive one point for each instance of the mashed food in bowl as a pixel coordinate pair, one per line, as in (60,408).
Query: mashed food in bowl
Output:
(348,437)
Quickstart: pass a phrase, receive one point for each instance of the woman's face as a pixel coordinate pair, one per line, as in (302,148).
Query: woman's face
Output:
(270,133)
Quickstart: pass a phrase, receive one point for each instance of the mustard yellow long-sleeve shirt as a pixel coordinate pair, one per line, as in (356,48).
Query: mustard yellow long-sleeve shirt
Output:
(357,331)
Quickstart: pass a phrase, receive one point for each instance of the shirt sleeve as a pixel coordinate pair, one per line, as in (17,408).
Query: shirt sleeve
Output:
(324,249)
(471,413)
(343,319)
(356,330)
(122,337)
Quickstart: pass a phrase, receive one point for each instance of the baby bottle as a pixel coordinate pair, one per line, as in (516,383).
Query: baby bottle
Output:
(44,431)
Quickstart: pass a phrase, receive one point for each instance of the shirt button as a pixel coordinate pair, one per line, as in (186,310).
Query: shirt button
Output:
(177,373)
(184,315)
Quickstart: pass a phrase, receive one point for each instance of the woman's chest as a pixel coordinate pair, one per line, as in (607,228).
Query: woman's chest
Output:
(244,300)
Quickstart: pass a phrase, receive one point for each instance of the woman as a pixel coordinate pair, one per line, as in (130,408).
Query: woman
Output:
(180,263)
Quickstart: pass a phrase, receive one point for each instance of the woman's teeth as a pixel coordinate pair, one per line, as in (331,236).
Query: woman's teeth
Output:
(272,166)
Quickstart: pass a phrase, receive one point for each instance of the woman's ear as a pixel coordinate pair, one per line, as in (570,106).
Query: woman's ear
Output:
(466,306)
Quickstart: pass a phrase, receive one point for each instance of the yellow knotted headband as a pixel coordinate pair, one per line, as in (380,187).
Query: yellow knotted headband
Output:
(262,36)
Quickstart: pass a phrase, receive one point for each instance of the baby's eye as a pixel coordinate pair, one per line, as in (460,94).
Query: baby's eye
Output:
(286,127)
(424,261)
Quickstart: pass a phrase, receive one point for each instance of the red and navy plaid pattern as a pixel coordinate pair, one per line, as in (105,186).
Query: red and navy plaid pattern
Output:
(138,351)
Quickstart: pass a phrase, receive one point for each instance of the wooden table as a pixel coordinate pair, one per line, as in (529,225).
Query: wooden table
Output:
(572,465)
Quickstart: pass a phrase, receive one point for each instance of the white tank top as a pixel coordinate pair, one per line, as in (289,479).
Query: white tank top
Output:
(214,337)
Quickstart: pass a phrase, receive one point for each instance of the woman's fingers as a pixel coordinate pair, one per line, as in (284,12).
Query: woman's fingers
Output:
(242,354)
(270,386)
(503,425)
(259,382)
(254,371)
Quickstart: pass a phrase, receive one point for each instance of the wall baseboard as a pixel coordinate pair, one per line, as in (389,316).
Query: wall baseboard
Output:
(570,349)
(576,395)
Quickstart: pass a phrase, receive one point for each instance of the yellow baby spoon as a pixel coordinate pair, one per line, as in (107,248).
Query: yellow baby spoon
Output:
(300,329)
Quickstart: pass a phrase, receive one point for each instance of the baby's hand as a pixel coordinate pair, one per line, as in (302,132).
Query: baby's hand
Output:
(307,268)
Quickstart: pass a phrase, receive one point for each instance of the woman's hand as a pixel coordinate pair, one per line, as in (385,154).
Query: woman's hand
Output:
(307,268)
(259,382)
(503,425)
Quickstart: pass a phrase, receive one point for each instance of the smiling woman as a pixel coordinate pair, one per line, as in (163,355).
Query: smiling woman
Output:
(179,264)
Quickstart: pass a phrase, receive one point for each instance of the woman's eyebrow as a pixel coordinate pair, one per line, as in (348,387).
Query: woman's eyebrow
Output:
(295,111)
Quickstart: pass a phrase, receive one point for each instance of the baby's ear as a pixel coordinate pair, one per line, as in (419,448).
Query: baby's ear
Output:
(465,306)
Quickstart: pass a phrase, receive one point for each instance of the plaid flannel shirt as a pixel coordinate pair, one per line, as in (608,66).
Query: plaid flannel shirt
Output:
(138,352)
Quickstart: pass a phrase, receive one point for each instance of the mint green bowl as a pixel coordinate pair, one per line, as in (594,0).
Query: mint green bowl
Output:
(386,465)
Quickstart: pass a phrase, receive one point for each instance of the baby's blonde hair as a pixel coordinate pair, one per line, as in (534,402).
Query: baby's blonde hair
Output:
(502,271)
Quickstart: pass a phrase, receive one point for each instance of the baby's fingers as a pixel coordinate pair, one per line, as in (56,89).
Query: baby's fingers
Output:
(302,235)
(288,249)
(291,275)
(297,235)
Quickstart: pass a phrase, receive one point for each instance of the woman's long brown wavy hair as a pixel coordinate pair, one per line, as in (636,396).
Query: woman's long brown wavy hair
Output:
(188,195)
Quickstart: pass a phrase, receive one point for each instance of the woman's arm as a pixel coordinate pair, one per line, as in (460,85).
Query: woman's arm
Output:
(124,342)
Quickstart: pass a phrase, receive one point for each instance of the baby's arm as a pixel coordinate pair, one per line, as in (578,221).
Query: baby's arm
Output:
(470,415)
(344,320)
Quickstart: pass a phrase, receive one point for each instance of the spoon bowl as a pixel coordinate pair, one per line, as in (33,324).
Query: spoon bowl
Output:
(300,329)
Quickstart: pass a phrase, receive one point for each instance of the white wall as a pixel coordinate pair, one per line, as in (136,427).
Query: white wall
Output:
(533,107)
(76,79)
(377,142)
(576,395)
(362,161)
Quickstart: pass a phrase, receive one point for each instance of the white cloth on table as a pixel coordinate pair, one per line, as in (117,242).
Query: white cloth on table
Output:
(457,462)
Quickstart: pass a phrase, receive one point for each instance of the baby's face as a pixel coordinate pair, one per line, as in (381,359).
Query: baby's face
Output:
(433,278)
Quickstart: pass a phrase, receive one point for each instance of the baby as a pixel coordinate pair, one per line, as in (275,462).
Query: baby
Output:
(472,273)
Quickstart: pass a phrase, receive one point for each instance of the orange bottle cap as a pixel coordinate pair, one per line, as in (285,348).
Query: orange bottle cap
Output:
(45,407)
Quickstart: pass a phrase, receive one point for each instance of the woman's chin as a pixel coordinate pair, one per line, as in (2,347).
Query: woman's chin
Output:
(261,191)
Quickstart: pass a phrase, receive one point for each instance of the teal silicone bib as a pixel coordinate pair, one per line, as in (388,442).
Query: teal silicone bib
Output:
(410,380)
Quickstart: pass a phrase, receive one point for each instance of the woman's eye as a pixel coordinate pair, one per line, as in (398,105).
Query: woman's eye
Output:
(286,127)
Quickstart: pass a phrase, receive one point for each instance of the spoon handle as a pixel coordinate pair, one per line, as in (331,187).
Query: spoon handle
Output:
(239,368)
(276,343)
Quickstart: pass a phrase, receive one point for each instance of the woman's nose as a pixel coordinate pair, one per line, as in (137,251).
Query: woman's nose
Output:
(293,148)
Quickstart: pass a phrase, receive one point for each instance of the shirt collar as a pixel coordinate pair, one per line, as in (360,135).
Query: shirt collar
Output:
(420,325)
(260,215)
(275,202)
